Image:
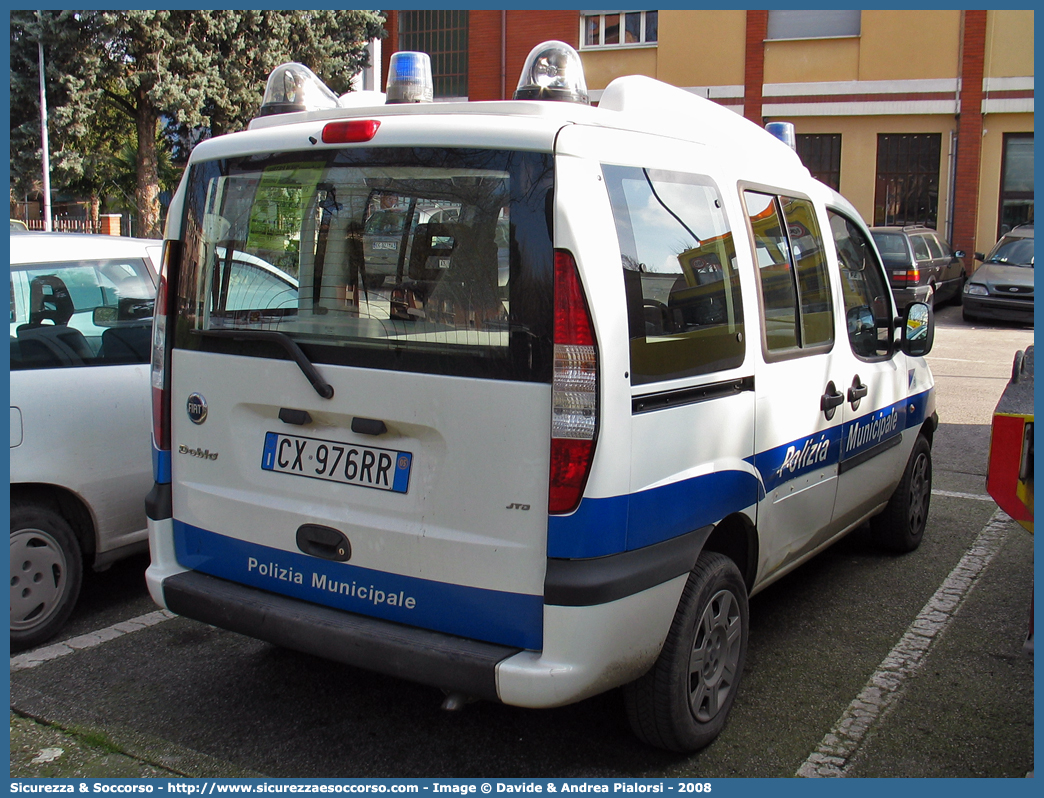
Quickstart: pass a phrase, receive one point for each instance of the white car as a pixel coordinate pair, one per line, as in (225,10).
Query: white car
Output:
(81,326)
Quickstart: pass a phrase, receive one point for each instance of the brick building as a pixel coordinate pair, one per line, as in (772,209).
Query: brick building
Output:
(922,116)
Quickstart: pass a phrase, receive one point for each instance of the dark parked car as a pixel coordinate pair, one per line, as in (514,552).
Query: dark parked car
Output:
(1002,288)
(921,265)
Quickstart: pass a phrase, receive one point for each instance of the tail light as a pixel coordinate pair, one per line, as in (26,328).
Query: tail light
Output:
(574,389)
(161,355)
(351,131)
(906,277)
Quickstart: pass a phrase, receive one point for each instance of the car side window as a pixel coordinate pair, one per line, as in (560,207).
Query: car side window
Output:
(684,310)
(795,289)
(81,313)
(933,246)
(920,248)
(868,311)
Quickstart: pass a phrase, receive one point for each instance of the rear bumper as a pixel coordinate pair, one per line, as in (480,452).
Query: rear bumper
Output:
(439,660)
(587,648)
(907,296)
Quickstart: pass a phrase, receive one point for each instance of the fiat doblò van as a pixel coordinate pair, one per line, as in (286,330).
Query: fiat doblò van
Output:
(538,486)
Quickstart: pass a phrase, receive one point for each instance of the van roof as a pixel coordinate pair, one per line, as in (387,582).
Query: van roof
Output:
(634,103)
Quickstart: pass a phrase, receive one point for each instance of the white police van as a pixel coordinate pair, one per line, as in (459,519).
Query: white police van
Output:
(536,486)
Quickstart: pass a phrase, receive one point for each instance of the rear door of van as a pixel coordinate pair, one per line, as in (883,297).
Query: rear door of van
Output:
(381,450)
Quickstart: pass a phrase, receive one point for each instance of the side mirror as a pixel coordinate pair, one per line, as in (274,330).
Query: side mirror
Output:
(979,256)
(918,330)
(960,253)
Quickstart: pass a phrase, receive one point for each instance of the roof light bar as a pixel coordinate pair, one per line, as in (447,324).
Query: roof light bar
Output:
(553,71)
(409,78)
(294,87)
(784,131)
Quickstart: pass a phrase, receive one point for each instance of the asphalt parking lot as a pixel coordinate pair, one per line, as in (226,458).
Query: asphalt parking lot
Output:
(894,666)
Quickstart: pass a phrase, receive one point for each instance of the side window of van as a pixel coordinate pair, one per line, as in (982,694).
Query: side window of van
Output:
(684,311)
(795,287)
(868,313)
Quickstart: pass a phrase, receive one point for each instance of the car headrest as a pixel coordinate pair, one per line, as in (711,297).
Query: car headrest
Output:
(49,300)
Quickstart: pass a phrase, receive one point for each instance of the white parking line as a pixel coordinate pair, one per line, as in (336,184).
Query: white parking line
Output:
(38,656)
(837,751)
(951,494)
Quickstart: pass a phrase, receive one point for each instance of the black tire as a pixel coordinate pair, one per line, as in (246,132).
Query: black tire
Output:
(958,298)
(682,703)
(968,317)
(900,527)
(46,573)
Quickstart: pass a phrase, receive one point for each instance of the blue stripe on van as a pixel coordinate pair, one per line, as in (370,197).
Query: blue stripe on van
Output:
(862,434)
(796,458)
(599,527)
(161,465)
(623,523)
(513,619)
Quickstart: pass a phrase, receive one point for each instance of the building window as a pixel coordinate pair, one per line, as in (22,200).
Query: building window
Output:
(444,36)
(822,155)
(907,179)
(819,24)
(618,28)
(1016,191)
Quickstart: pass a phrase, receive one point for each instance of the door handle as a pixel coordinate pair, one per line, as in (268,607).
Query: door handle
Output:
(830,400)
(856,392)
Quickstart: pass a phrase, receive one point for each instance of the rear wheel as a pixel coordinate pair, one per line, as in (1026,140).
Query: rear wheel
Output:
(46,572)
(682,703)
(900,527)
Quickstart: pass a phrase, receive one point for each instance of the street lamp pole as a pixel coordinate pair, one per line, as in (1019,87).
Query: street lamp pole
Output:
(43,133)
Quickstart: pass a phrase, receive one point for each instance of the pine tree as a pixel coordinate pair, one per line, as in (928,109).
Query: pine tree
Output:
(118,76)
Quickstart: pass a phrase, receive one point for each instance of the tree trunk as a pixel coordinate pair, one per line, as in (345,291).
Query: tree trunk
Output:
(146,192)
(94,212)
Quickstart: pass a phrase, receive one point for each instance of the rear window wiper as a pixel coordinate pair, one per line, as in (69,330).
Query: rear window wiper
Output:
(322,387)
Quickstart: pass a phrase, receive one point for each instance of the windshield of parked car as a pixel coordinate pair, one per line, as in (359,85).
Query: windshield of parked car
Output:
(1012,251)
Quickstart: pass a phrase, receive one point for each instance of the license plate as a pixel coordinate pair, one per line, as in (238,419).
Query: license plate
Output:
(349,464)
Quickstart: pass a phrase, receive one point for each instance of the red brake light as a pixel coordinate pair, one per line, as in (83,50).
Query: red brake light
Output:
(570,464)
(572,320)
(161,356)
(574,389)
(351,131)
(909,277)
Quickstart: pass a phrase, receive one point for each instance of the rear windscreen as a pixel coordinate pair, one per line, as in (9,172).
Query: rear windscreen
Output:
(893,249)
(431,260)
